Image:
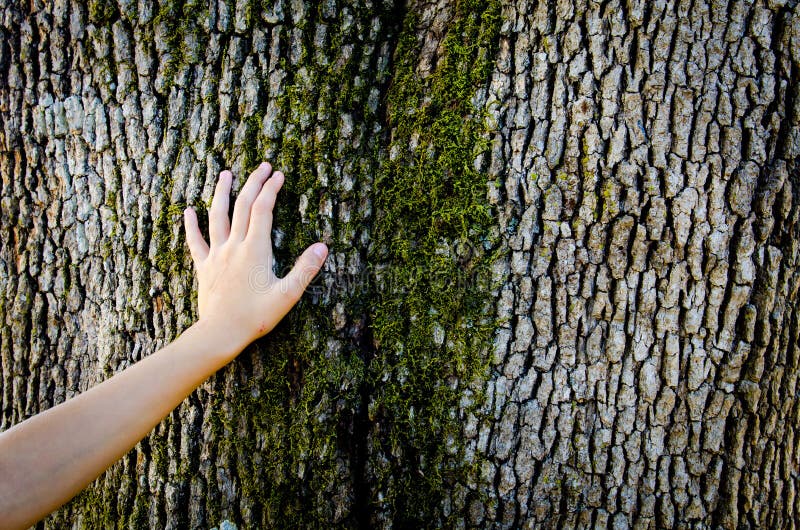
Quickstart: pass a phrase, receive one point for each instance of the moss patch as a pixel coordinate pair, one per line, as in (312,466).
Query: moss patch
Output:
(431,235)
(179,19)
(102,11)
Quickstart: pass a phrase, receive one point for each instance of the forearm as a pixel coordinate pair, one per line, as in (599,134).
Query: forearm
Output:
(47,459)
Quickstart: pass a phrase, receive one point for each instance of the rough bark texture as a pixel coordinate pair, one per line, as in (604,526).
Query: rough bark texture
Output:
(564,274)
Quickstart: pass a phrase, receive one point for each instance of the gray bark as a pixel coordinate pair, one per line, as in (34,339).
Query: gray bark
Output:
(647,377)
(620,351)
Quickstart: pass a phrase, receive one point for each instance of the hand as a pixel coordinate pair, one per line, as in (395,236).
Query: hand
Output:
(238,290)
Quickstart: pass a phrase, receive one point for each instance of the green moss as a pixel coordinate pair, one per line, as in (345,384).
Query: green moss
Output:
(111,200)
(547,44)
(102,12)
(253,140)
(429,199)
(169,252)
(107,248)
(179,19)
(99,518)
(138,518)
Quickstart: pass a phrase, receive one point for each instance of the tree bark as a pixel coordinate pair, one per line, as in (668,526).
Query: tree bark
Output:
(563,281)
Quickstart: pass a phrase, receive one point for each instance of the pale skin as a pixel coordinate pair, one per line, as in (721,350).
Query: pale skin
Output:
(49,458)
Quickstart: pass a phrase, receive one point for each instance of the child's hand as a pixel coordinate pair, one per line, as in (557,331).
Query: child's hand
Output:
(238,290)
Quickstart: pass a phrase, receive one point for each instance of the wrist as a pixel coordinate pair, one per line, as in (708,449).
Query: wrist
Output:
(220,336)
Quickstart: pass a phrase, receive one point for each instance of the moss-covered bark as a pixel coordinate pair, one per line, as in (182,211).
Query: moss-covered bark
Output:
(562,282)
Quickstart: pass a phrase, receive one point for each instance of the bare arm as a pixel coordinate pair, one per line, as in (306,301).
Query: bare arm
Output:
(47,459)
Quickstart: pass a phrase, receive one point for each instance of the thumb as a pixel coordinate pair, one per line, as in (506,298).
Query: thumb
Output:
(305,269)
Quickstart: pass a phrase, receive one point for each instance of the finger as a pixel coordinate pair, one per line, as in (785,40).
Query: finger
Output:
(308,265)
(218,223)
(248,194)
(197,245)
(261,215)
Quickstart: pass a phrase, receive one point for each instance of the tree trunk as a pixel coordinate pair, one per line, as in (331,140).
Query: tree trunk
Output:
(563,280)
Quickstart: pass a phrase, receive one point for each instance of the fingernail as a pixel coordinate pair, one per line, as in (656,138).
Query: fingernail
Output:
(320,250)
